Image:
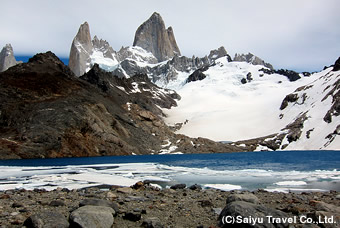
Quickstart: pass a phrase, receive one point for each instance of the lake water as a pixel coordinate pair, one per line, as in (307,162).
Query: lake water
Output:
(274,171)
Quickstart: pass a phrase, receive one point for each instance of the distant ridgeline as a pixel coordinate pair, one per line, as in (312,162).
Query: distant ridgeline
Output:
(25,58)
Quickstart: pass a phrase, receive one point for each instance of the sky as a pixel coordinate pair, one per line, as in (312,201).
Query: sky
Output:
(303,35)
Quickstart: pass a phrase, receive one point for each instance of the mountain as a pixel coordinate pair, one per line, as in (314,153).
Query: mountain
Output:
(153,37)
(81,50)
(7,58)
(46,112)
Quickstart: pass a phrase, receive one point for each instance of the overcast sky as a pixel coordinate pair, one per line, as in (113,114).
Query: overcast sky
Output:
(293,34)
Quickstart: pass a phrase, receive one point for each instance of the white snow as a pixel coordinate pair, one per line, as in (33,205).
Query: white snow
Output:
(106,64)
(224,187)
(221,108)
(291,183)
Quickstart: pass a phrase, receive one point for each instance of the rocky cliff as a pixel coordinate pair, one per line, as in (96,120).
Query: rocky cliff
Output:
(155,38)
(7,58)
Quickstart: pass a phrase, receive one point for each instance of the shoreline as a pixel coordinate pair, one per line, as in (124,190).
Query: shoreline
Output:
(179,206)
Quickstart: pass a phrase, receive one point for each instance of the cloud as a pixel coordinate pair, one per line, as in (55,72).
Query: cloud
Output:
(301,35)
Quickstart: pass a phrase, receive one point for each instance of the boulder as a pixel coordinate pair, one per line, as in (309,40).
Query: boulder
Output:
(152,222)
(178,186)
(245,209)
(99,202)
(48,219)
(92,216)
(248,197)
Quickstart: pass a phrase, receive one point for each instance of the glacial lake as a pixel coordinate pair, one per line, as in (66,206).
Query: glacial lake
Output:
(282,171)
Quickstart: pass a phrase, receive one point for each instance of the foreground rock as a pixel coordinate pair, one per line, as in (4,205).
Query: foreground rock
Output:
(92,216)
(48,219)
(148,206)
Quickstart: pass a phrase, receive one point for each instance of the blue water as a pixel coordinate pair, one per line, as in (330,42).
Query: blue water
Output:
(25,59)
(275,160)
(279,170)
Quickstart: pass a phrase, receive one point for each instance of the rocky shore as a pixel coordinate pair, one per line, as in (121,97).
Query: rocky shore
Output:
(144,205)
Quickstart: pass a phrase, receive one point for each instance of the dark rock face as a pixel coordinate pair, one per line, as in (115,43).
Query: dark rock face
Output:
(337,65)
(335,109)
(7,58)
(198,75)
(81,49)
(59,115)
(289,98)
(155,38)
(290,74)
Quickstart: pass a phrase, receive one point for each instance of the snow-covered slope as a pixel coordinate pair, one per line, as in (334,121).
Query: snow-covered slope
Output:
(221,107)
(314,110)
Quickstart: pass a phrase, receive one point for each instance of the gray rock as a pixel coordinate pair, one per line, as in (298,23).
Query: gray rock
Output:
(125,190)
(104,47)
(195,187)
(81,49)
(48,219)
(99,202)
(178,186)
(248,197)
(253,59)
(155,38)
(92,216)
(152,222)
(218,53)
(7,58)
(250,210)
(322,206)
(327,219)
(57,203)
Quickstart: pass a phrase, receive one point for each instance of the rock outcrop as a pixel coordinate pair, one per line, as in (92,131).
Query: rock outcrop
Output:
(104,47)
(218,53)
(252,59)
(337,65)
(81,50)
(155,38)
(7,58)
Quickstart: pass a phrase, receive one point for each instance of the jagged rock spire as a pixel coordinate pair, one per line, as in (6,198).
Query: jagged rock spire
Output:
(81,49)
(7,58)
(155,38)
